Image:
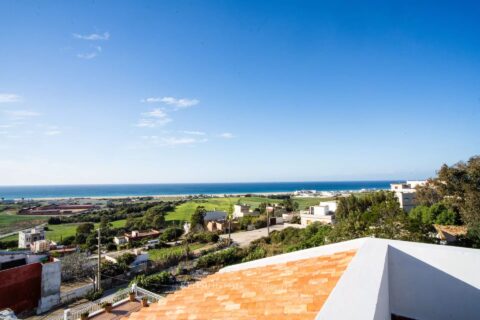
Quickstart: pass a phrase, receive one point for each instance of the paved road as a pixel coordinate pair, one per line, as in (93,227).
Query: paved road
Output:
(244,238)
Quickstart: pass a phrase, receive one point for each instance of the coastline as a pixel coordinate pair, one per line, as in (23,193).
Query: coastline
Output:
(159,191)
(211,195)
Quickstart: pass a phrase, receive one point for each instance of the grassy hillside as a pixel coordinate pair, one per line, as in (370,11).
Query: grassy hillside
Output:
(56,232)
(10,222)
(184,211)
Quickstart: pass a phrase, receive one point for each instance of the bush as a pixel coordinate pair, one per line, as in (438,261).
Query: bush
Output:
(221,258)
(111,246)
(126,258)
(157,282)
(171,233)
(9,244)
(94,295)
(204,237)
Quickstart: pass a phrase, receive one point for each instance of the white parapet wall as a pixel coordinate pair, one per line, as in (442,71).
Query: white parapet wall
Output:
(413,280)
(50,290)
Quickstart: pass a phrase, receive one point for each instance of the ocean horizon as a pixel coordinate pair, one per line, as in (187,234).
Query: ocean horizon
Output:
(166,189)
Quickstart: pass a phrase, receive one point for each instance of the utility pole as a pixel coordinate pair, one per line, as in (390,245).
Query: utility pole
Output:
(268,222)
(99,287)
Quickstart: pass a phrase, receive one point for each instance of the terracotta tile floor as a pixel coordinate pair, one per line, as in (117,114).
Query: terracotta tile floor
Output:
(120,311)
(292,290)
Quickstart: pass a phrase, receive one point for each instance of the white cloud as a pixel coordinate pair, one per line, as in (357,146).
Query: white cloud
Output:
(227,135)
(172,141)
(53,132)
(177,103)
(156,113)
(9,97)
(87,56)
(90,55)
(93,36)
(194,133)
(21,114)
(153,118)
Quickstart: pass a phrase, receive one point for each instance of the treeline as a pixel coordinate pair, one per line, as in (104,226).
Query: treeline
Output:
(114,213)
(456,188)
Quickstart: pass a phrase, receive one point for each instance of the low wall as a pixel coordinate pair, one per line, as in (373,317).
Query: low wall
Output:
(76,293)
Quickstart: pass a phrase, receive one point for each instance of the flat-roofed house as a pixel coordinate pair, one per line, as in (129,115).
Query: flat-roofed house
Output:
(243,210)
(406,193)
(323,213)
(27,237)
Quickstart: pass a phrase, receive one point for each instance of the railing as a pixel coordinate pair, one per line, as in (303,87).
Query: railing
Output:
(95,307)
(152,297)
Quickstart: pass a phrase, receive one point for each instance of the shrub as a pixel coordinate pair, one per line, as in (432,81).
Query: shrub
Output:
(127,258)
(171,233)
(204,237)
(221,258)
(156,282)
(94,295)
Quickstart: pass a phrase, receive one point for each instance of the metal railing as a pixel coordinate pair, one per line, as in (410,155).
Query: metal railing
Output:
(95,307)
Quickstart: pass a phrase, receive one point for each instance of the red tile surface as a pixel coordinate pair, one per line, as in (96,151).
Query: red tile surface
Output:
(292,290)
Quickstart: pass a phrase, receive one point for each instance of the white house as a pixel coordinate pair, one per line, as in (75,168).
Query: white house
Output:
(405,193)
(27,237)
(120,240)
(242,210)
(323,213)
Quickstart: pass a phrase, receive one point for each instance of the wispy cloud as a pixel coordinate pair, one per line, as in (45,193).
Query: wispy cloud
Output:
(173,141)
(90,55)
(9,97)
(194,133)
(92,36)
(226,135)
(21,114)
(53,132)
(178,103)
(154,118)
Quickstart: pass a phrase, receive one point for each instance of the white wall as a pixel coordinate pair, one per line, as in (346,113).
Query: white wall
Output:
(50,291)
(434,282)
(363,290)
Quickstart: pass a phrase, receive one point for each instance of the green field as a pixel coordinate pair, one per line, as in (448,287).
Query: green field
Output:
(159,254)
(10,222)
(184,211)
(56,232)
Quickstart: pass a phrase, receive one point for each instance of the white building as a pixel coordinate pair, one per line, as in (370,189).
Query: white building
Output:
(242,210)
(26,238)
(120,240)
(40,246)
(323,213)
(405,193)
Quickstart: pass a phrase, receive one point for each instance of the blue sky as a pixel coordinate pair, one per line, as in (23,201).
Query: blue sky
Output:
(218,91)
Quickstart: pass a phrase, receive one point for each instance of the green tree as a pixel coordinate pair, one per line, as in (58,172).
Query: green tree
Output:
(196,220)
(85,228)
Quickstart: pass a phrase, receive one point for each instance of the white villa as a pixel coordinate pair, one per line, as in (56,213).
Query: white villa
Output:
(27,237)
(405,193)
(242,210)
(323,213)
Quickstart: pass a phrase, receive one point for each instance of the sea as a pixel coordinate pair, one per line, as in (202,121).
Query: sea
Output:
(136,190)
